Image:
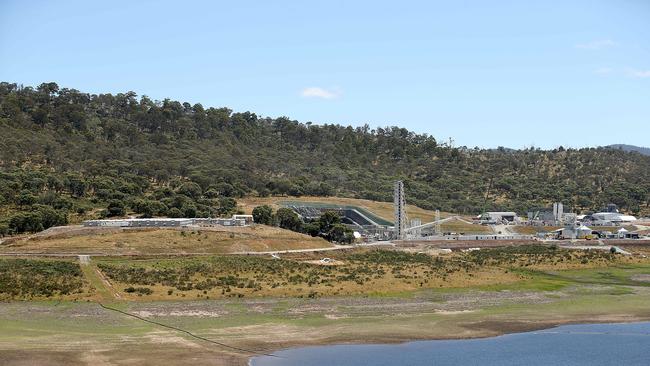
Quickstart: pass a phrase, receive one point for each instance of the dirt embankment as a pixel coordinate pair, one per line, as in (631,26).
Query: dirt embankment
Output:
(160,241)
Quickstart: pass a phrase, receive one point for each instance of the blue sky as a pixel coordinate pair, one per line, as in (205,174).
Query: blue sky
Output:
(486,73)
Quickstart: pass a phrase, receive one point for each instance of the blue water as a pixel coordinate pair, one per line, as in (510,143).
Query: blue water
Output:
(587,344)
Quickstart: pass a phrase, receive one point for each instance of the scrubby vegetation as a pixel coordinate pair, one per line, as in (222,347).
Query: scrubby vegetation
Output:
(26,278)
(355,271)
(532,255)
(90,156)
(347,272)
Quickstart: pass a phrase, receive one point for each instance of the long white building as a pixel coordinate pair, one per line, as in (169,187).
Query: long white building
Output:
(236,220)
(607,218)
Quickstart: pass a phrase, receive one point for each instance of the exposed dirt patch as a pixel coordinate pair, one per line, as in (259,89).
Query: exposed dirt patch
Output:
(641,277)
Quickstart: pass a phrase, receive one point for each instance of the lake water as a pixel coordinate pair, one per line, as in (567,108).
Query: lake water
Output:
(587,344)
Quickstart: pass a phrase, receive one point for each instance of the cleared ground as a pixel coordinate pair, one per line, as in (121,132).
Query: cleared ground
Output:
(106,241)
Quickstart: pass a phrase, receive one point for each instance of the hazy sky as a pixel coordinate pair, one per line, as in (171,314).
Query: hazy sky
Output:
(487,73)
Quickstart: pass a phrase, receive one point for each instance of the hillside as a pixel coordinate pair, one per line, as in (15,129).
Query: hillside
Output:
(197,241)
(66,156)
(639,149)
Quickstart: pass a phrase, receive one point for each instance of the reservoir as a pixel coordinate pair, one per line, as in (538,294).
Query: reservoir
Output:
(585,344)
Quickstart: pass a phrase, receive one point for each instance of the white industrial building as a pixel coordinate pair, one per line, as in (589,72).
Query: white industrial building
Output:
(610,216)
(497,217)
(571,232)
(157,222)
(236,220)
(606,218)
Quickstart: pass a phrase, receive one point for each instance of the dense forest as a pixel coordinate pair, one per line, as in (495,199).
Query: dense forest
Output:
(66,155)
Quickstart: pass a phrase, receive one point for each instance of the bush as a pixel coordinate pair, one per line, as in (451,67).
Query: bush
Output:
(139,290)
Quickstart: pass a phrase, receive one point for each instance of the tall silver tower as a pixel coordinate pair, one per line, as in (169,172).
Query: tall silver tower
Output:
(558,212)
(400,211)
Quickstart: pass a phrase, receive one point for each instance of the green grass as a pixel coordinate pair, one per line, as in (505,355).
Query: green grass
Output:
(614,275)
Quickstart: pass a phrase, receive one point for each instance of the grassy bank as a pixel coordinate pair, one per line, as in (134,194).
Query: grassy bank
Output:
(85,333)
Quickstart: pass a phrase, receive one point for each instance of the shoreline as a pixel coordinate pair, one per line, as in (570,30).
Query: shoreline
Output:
(533,327)
(277,334)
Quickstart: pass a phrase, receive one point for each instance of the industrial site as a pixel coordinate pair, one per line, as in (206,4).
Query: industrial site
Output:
(544,225)
(320,183)
(218,290)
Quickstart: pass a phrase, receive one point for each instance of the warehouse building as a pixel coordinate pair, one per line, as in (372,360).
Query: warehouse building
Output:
(236,220)
(498,218)
(157,222)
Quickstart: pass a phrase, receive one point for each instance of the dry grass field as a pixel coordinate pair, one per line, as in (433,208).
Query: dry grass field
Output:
(296,275)
(354,271)
(110,241)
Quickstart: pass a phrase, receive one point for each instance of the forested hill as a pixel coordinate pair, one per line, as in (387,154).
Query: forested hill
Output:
(639,149)
(75,152)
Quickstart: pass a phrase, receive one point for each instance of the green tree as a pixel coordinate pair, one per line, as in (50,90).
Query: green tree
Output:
(327,220)
(263,215)
(189,211)
(190,189)
(175,212)
(227,206)
(149,208)
(115,208)
(288,219)
(340,233)
(311,228)
(26,198)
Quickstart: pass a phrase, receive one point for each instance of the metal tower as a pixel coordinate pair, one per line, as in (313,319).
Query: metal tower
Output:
(400,211)
(438,229)
(558,212)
